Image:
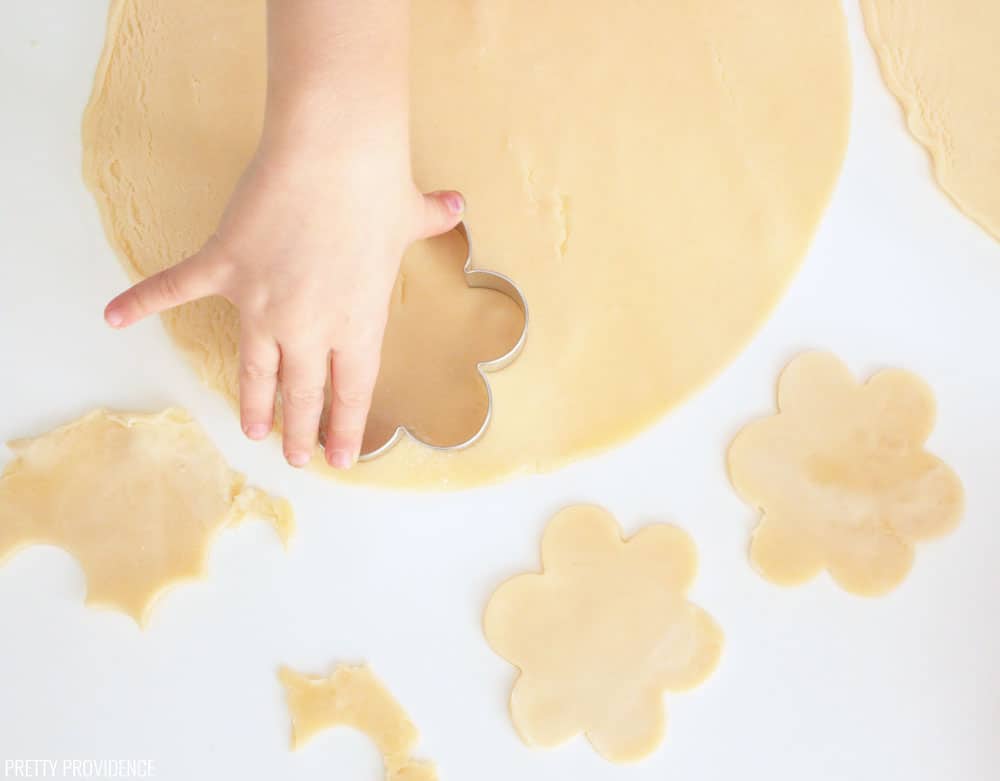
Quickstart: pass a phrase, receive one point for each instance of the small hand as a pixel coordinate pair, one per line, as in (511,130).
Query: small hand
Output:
(308,251)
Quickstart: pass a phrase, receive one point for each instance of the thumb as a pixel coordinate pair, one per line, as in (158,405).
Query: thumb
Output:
(188,280)
(442,211)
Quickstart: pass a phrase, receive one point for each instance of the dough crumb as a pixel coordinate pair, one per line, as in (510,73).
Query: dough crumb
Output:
(353,697)
(135,498)
(841,477)
(601,633)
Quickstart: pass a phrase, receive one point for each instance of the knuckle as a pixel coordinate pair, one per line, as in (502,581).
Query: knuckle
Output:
(168,287)
(352,398)
(302,398)
(254,370)
(254,300)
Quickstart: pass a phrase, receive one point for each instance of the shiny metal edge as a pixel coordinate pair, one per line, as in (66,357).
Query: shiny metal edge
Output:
(474,278)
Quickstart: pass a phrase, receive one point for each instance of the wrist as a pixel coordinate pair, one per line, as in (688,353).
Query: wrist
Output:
(325,119)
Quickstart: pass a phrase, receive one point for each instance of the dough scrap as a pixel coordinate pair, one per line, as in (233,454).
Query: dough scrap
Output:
(135,498)
(601,633)
(649,173)
(353,697)
(841,477)
(941,60)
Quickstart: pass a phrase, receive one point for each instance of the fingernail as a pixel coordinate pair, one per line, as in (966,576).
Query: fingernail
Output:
(454,202)
(256,431)
(341,459)
(297,459)
(114,318)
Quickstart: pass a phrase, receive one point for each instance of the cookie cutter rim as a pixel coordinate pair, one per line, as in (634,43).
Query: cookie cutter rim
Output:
(474,278)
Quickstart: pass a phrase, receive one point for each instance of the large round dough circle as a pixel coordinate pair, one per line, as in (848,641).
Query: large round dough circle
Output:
(651,174)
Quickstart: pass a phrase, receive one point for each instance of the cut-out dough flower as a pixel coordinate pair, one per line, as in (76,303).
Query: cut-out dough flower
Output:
(353,697)
(842,478)
(601,633)
(136,499)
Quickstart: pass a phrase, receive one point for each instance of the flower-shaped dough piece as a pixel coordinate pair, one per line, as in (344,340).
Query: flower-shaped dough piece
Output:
(601,633)
(136,499)
(842,478)
(353,697)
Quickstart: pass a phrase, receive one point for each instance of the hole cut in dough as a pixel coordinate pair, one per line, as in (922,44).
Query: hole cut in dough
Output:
(841,477)
(439,331)
(940,58)
(353,697)
(649,173)
(601,633)
(136,499)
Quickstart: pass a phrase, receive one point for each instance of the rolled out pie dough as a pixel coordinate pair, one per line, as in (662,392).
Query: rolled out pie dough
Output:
(136,499)
(353,697)
(941,60)
(842,478)
(601,633)
(649,173)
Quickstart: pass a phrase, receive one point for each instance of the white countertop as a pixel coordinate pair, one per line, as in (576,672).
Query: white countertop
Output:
(814,684)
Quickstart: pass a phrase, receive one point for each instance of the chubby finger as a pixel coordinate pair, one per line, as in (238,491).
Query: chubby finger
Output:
(302,377)
(190,279)
(442,211)
(353,374)
(259,361)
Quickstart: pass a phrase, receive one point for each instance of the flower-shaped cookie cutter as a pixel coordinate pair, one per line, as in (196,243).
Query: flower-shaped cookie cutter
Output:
(474,278)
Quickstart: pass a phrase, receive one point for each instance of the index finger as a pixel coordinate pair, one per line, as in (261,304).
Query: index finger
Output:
(190,279)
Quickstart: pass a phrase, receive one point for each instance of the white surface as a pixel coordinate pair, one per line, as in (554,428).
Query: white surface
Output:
(814,684)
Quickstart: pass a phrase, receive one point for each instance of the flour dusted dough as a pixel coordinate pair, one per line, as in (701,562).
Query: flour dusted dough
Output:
(842,478)
(941,59)
(136,499)
(353,697)
(650,173)
(601,633)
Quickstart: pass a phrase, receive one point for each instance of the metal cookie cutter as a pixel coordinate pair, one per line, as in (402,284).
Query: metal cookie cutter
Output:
(474,278)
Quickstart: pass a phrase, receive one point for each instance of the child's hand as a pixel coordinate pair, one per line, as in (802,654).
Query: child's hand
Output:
(310,245)
(308,251)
